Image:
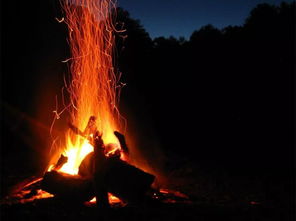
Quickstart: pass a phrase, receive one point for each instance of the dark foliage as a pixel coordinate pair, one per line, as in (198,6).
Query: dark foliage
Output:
(224,95)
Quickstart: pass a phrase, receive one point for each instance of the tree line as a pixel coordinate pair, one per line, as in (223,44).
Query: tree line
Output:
(225,90)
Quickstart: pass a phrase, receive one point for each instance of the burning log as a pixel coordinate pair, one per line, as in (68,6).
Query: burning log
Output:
(62,160)
(98,175)
(86,169)
(122,141)
(68,187)
(113,175)
(75,130)
(65,186)
(100,170)
(122,179)
(91,127)
(126,181)
(89,130)
(118,177)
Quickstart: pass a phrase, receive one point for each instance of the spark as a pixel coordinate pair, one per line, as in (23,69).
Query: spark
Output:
(93,87)
(60,20)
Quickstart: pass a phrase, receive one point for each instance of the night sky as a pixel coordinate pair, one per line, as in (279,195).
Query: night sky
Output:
(181,17)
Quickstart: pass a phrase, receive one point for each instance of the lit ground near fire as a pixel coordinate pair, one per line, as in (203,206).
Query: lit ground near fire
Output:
(213,194)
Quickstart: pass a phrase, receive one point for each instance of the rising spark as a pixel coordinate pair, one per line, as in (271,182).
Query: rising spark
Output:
(94,88)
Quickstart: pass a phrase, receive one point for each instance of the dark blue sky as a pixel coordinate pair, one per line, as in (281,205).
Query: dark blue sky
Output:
(182,17)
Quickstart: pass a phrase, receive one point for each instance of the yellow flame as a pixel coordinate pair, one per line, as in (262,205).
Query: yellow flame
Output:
(75,154)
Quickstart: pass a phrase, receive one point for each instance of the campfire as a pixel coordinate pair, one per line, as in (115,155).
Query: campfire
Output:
(93,163)
(94,86)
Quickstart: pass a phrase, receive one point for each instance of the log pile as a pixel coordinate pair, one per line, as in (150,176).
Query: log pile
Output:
(67,187)
(98,175)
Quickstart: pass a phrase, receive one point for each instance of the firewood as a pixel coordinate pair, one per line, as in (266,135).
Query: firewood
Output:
(76,130)
(62,160)
(121,179)
(86,168)
(116,176)
(91,127)
(89,130)
(122,141)
(127,182)
(99,175)
(100,171)
(68,187)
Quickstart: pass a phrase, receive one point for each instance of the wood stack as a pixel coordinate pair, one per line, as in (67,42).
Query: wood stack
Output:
(98,175)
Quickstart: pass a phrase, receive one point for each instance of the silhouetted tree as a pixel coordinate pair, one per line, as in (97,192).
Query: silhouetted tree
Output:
(229,83)
(134,46)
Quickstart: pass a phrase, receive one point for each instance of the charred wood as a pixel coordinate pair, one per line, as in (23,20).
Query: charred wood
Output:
(122,141)
(127,182)
(62,160)
(86,168)
(68,187)
(123,180)
(100,170)
(99,175)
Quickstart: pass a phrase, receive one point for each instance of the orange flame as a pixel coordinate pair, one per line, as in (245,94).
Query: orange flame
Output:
(94,88)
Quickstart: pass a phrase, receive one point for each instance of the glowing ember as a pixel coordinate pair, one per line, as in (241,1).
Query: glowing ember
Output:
(94,89)
(112,199)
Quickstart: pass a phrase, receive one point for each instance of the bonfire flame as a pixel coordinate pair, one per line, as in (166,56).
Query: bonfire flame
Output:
(94,89)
